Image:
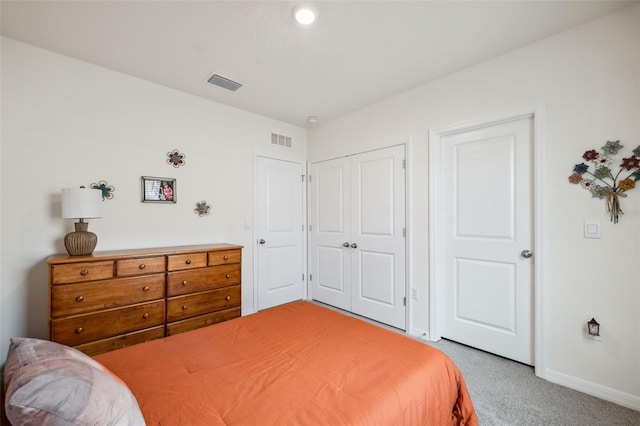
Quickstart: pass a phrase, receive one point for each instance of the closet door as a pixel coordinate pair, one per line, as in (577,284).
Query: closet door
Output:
(378,220)
(357,245)
(330,219)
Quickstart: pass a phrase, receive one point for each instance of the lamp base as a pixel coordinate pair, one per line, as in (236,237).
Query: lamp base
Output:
(81,242)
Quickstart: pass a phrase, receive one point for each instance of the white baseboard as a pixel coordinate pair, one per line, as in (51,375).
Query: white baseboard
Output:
(621,398)
(418,333)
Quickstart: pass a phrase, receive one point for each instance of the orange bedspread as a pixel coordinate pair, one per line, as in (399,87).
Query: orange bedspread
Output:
(296,364)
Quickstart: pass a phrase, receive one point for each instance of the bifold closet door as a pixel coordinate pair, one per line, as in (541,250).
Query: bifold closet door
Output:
(357,250)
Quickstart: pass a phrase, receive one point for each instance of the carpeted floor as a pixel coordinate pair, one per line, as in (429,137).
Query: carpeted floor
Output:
(505,392)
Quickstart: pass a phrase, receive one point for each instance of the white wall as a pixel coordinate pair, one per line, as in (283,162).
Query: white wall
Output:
(67,123)
(588,78)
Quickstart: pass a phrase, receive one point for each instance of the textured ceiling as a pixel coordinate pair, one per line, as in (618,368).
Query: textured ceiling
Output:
(355,54)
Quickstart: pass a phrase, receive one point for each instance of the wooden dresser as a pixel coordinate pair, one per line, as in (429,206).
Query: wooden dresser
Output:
(114,299)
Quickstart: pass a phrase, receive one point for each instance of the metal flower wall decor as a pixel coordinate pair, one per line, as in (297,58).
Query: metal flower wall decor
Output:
(605,183)
(176,158)
(202,208)
(105,189)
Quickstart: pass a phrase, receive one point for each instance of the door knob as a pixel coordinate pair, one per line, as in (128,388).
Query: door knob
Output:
(526,253)
(345,244)
(354,245)
(262,241)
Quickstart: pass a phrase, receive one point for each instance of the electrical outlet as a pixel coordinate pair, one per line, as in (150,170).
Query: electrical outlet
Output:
(414,293)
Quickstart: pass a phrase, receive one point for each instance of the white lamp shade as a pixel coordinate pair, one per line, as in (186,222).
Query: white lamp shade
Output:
(81,203)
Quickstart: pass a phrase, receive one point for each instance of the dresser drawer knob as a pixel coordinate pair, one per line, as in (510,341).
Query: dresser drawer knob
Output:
(184,307)
(84,272)
(228,298)
(145,315)
(142,266)
(145,288)
(188,261)
(226,258)
(228,275)
(184,282)
(79,298)
(79,330)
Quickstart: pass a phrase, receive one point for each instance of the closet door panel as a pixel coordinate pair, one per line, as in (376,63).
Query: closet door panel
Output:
(330,252)
(378,222)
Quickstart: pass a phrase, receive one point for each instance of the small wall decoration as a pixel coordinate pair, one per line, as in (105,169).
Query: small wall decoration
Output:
(202,208)
(105,188)
(159,190)
(602,182)
(176,158)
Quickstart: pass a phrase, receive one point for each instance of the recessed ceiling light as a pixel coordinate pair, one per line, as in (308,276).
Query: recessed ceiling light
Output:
(303,14)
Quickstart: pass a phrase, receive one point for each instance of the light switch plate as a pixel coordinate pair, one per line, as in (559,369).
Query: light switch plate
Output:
(592,229)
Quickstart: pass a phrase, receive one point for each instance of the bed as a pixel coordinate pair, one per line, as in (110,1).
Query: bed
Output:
(295,364)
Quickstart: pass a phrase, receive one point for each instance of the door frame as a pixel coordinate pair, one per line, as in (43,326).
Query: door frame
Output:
(254,227)
(436,287)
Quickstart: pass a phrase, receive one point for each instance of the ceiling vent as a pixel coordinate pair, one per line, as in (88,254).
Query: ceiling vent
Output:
(225,83)
(280,140)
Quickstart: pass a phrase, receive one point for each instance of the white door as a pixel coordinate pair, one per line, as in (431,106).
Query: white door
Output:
(377,237)
(280,228)
(357,250)
(487,236)
(330,251)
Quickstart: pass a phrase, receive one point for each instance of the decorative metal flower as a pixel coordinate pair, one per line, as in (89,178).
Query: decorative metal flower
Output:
(106,189)
(202,208)
(612,147)
(176,158)
(627,184)
(608,187)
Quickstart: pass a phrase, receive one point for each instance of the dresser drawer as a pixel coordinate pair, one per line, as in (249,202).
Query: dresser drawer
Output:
(177,262)
(141,266)
(183,307)
(79,272)
(81,329)
(119,342)
(72,299)
(202,321)
(202,279)
(223,257)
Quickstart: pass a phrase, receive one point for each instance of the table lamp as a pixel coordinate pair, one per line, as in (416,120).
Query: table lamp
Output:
(80,203)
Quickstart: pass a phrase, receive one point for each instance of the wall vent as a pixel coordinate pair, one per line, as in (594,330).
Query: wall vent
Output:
(281,140)
(225,83)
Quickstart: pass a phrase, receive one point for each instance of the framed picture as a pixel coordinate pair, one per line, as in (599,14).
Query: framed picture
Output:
(158,190)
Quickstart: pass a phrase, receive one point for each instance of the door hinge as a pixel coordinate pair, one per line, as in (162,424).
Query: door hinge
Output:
(310,228)
(303,178)
(310,277)
(404,232)
(404,301)
(302,277)
(404,164)
(309,178)
(303,227)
